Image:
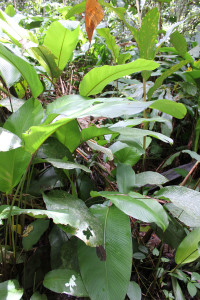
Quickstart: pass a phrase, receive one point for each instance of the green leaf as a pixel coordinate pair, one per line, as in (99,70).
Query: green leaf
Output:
(149,177)
(64,209)
(187,251)
(8,140)
(69,135)
(93,131)
(134,291)
(47,60)
(13,165)
(125,178)
(10,290)
(179,43)
(37,227)
(177,290)
(96,79)
(191,289)
(76,9)
(123,57)
(29,114)
(108,278)
(125,154)
(148,34)
(8,72)
(138,206)
(184,198)
(193,154)
(174,109)
(26,69)
(65,38)
(135,133)
(110,42)
(159,80)
(10,11)
(66,282)
(16,103)
(66,165)
(38,296)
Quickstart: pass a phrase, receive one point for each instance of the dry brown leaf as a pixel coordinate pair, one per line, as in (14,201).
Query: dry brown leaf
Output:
(93,15)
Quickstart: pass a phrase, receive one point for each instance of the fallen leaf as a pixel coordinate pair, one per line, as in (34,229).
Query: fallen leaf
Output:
(93,15)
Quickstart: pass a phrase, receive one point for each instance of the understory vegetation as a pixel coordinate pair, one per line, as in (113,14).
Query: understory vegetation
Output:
(99,150)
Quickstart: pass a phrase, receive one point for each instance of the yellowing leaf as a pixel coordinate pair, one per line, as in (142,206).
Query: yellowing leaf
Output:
(93,15)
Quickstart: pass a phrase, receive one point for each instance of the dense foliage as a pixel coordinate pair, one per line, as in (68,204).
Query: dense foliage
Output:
(99,142)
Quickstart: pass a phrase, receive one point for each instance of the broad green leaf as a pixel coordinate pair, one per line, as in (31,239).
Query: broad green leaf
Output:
(192,290)
(64,281)
(134,291)
(159,80)
(10,11)
(29,114)
(16,103)
(26,69)
(66,41)
(177,290)
(93,131)
(36,135)
(8,72)
(123,57)
(184,198)
(110,42)
(187,251)
(148,34)
(47,60)
(125,178)
(64,209)
(96,79)
(13,164)
(138,206)
(125,154)
(66,165)
(8,140)
(149,177)
(133,133)
(33,233)
(177,110)
(179,43)
(188,220)
(107,276)
(69,135)
(10,290)
(38,296)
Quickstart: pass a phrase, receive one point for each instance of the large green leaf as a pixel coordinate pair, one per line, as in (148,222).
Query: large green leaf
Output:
(29,114)
(26,69)
(138,206)
(61,41)
(125,178)
(16,103)
(159,80)
(65,281)
(8,140)
(96,79)
(179,43)
(10,290)
(107,277)
(64,209)
(8,72)
(76,9)
(186,199)
(177,110)
(177,290)
(148,34)
(38,296)
(110,42)
(149,177)
(187,251)
(135,133)
(13,164)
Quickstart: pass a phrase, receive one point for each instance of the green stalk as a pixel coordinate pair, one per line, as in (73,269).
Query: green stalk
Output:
(145,116)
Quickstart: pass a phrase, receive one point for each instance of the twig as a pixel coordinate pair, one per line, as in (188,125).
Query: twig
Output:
(188,175)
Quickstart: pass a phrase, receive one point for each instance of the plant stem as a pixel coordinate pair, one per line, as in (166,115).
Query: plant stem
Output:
(145,116)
